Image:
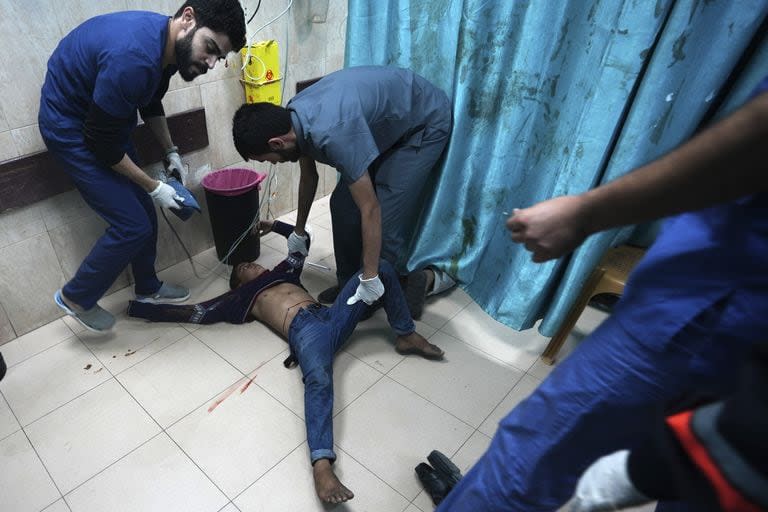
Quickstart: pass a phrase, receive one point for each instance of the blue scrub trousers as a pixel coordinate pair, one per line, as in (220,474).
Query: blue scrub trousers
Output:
(399,176)
(132,233)
(316,334)
(599,400)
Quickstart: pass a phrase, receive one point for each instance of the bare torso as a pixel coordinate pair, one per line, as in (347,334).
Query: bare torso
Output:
(277,306)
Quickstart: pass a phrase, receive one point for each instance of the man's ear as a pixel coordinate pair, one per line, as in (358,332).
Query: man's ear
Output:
(276,143)
(188,18)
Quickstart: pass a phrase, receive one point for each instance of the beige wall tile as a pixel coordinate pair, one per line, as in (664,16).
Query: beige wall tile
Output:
(74,240)
(8,149)
(29,275)
(28,140)
(64,209)
(182,100)
(71,13)
(168,7)
(27,35)
(18,225)
(221,99)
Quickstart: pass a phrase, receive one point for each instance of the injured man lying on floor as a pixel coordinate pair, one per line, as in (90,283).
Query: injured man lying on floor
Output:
(314,333)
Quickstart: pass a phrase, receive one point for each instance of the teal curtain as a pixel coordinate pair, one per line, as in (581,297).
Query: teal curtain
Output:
(551,98)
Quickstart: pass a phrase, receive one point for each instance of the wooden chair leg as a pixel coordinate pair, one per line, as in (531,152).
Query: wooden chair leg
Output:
(557,341)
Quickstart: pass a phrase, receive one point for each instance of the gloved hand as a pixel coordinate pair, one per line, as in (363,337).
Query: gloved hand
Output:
(175,166)
(605,485)
(368,291)
(298,243)
(165,196)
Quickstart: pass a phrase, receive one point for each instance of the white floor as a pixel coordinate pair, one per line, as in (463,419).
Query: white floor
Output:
(170,417)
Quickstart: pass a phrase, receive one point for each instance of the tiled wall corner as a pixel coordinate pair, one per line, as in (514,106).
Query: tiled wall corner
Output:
(29,274)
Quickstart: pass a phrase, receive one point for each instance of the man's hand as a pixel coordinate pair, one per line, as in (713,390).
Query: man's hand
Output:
(298,243)
(265,226)
(550,229)
(368,291)
(165,196)
(605,485)
(175,166)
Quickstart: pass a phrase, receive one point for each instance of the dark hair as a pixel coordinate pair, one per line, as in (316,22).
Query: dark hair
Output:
(234,281)
(255,123)
(221,16)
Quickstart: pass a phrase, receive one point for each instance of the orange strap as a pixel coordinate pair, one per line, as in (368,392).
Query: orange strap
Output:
(730,498)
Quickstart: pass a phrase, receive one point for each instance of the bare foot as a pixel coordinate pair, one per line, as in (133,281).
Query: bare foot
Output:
(415,343)
(329,488)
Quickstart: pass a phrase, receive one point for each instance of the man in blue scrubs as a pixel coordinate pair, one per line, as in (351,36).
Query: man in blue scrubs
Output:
(688,316)
(383,129)
(100,74)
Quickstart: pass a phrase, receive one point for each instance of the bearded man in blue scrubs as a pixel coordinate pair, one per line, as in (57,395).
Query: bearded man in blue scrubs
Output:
(383,129)
(100,74)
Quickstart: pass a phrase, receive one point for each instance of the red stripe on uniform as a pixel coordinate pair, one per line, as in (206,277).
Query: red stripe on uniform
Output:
(731,500)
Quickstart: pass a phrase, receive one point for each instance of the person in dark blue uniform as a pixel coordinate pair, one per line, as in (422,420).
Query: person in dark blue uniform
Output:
(687,319)
(383,129)
(100,74)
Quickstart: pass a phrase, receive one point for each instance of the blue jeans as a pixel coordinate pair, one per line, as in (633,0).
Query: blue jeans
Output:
(602,398)
(315,335)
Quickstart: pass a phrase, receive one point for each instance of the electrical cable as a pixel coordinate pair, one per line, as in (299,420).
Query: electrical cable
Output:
(254,13)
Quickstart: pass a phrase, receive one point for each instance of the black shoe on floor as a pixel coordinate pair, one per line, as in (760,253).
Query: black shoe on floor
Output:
(433,484)
(329,295)
(2,367)
(447,470)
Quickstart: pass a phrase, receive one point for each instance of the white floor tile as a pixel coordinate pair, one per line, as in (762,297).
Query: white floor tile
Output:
(155,477)
(88,434)
(8,423)
(241,438)
(50,379)
(390,428)
(467,383)
(245,346)
(439,309)
(174,382)
(34,342)
(520,392)
(589,320)
(518,348)
(464,459)
(414,508)
(321,219)
(315,279)
(230,508)
(373,342)
(24,484)
(59,506)
(351,377)
(289,486)
(131,341)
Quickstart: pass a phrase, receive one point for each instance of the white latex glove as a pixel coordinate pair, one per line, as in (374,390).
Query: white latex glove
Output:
(605,485)
(298,243)
(368,291)
(165,196)
(176,166)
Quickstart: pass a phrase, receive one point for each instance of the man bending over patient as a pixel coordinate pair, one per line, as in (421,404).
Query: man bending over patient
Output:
(314,333)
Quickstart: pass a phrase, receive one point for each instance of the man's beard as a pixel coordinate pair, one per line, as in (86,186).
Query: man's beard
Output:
(188,69)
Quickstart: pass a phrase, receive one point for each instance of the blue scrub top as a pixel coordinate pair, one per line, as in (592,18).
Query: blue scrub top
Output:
(698,259)
(351,116)
(114,60)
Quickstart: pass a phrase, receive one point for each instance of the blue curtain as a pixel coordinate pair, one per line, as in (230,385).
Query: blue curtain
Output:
(552,98)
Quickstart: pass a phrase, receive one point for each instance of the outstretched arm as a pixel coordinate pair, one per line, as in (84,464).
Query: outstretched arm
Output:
(722,163)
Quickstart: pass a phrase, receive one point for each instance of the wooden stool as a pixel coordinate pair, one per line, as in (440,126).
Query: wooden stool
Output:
(609,276)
